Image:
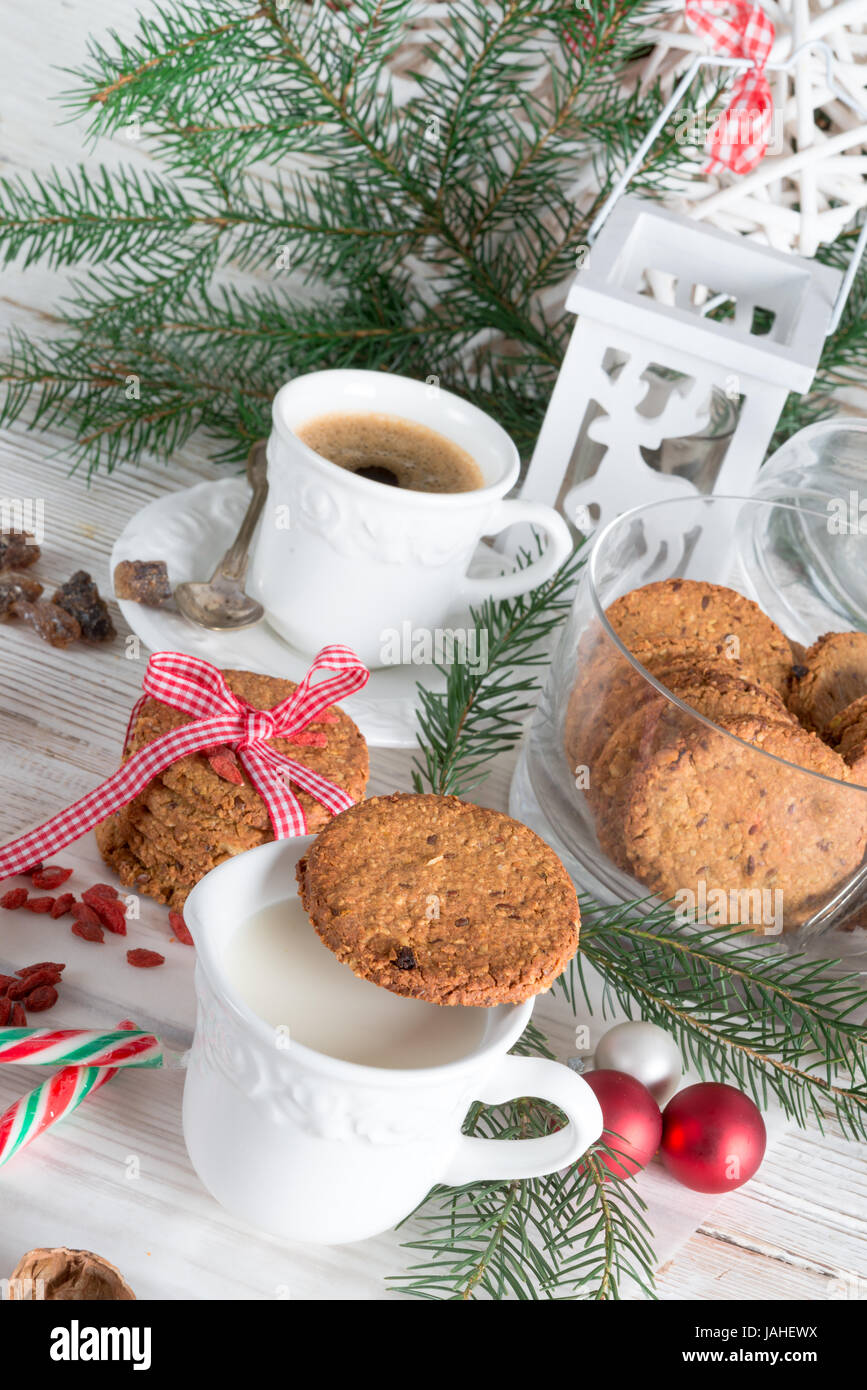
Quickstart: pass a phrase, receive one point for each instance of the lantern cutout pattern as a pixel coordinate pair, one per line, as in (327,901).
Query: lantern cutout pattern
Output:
(638,373)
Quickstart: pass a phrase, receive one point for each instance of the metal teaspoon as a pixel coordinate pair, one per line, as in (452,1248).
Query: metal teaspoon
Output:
(221,604)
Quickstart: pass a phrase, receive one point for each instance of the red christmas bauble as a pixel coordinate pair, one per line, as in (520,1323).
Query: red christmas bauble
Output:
(713,1137)
(631,1117)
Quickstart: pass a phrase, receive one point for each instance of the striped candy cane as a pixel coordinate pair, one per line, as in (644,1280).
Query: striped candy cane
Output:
(33,1114)
(80,1047)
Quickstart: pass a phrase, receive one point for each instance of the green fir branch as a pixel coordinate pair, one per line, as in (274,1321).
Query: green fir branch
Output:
(428,257)
(779,1025)
(482,710)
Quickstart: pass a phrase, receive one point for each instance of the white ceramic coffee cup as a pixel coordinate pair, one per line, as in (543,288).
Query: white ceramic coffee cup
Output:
(340,558)
(311,1148)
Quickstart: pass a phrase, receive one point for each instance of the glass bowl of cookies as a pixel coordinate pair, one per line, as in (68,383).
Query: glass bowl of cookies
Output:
(702,739)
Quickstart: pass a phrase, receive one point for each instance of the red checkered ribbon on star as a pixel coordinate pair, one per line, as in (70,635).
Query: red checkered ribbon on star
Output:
(219,717)
(738,29)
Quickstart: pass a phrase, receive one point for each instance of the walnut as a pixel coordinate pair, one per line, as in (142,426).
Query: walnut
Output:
(68,1275)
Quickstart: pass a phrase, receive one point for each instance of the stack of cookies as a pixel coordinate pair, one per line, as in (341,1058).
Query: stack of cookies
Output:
(203,808)
(678,803)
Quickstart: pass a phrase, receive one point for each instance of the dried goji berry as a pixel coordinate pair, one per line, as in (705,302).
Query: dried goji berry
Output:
(34,869)
(39,904)
(5,1012)
(224,762)
(16,897)
(83,913)
(43,998)
(99,890)
(5,982)
(62,905)
(30,982)
(110,913)
(51,876)
(41,965)
(309,738)
(180,928)
(327,719)
(145,959)
(18,1017)
(88,931)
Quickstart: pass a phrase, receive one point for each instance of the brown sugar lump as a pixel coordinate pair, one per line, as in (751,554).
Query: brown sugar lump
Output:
(708,809)
(80,597)
(437,899)
(143,581)
(16,587)
(18,550)
(48,620)
(832,674)
(706,617)
(203,808)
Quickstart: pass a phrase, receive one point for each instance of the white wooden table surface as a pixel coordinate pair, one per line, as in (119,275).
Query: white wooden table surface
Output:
(798,1230)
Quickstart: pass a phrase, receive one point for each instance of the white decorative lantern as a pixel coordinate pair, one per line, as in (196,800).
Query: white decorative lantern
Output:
(625,341)
(646,365)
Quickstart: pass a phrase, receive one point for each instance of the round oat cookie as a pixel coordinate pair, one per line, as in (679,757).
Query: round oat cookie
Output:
(695,656)
(606,692)
(708,809)
(164,886)
(687,672)
(342,759)
(610,688)
(612,771)
(437,899)
(847,733)
(607,684)
(720,694)
(832,675)
(703,615)
(712,689)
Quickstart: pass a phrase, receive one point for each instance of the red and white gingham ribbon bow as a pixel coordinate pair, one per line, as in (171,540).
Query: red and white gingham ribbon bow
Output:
(740,136)
(220,717)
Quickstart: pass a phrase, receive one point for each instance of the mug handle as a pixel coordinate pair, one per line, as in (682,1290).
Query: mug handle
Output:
(484,1160)
(509,511)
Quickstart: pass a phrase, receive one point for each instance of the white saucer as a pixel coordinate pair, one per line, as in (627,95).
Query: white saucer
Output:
(190,530)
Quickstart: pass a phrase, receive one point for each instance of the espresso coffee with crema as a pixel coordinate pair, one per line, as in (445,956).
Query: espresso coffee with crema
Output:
(388,449)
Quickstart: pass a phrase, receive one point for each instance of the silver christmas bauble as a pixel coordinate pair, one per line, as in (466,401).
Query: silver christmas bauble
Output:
(646,1052)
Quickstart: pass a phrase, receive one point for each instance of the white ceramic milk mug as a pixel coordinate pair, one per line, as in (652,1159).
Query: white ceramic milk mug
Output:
(311,1148)
(340,558)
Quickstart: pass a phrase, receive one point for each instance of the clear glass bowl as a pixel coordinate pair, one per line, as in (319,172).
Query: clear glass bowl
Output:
(822,474)
(642,795)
